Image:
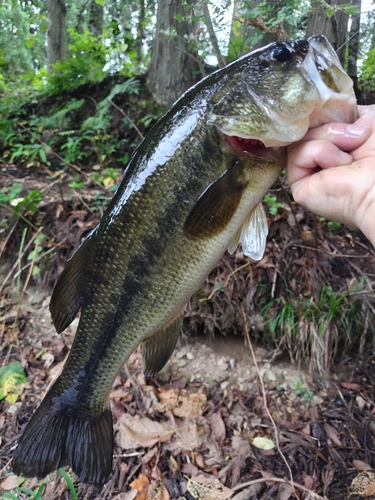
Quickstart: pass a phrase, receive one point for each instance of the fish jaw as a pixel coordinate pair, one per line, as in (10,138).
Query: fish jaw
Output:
(316,91)
(337,101)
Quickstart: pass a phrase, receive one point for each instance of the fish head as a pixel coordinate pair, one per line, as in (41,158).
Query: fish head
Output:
(272,96)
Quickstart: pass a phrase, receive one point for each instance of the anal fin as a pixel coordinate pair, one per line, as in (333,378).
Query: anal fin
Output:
(66,298)
(159,348)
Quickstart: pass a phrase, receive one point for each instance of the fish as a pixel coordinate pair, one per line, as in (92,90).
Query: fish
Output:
(192,189)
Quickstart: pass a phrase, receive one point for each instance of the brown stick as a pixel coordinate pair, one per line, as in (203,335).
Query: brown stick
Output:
(265,399)
(127,117)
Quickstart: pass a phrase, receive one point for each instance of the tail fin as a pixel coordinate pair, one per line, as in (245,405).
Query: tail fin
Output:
(55,437)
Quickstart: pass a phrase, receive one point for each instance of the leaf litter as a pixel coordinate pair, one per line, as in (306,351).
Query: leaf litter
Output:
(190,431)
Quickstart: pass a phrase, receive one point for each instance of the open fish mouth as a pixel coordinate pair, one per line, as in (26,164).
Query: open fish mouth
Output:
(243,147)
(250,147)
(314,90)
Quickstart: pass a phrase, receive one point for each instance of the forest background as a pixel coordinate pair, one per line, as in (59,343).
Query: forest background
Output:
(81,83)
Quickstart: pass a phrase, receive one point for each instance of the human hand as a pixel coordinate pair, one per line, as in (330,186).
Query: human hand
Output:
(331,171)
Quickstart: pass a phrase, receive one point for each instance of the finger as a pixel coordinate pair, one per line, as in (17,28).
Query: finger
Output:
(366,110)
(305,158)
(345,136)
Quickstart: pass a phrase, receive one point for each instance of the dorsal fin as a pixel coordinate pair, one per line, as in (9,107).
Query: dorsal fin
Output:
(68,292)
(159,348)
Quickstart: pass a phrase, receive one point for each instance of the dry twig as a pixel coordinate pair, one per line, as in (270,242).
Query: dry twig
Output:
(128,118)
(265,400)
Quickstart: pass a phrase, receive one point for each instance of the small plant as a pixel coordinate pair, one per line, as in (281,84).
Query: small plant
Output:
(101,201)
(332,225)
(8,194)
(302,391)
(36,253)
(17,205)
(316,330)
(108,177)
(34,495)
(76,183)
(37,495)
(29,203)
(273,204)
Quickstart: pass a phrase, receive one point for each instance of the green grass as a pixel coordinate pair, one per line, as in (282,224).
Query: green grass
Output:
(317,332)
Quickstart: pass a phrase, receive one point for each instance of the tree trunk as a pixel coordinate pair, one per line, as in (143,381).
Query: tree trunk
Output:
(253,33)
(335,28)
(340,31)
(174,66)
(140,29)
(318,21)
(212,35)
(56,35)
(96,19)
(353,45)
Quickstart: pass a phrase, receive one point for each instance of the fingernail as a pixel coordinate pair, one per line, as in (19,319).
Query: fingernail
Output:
(357,130)
(346,157)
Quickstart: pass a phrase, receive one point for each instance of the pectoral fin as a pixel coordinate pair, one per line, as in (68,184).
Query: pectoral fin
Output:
(67,295)
(252,234)
(217,205)
(158,349)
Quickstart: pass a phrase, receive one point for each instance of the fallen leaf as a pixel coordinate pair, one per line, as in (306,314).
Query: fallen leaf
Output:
(136,432)
(358,464)
(249,492)
(332,434)
(12,381)
(217,427)
(190,436)
(141,484)
(11,482)
(130,495)
(263,443)
(308,482)
(363,485)
(181,405)
(360,402)
(157,491)
(241,447)
(351,387)
(120,393)
(285,491)
(208,488)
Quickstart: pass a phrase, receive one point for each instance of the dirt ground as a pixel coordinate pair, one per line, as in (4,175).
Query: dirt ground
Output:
(191,431)
(213,424)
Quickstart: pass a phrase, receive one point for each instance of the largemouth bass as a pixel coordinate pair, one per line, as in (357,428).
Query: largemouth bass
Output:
(191,190)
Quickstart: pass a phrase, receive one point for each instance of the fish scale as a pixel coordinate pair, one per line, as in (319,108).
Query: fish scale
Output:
(191,189)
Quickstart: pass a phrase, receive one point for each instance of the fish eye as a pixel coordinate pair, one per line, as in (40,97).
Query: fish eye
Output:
(282,53)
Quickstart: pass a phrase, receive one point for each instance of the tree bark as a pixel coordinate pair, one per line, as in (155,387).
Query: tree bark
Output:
(212,35)
(353,45)
(56,35)
(335,28)
(340,32)
(174,66)
(96,19)
(140,29)
(318,21)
